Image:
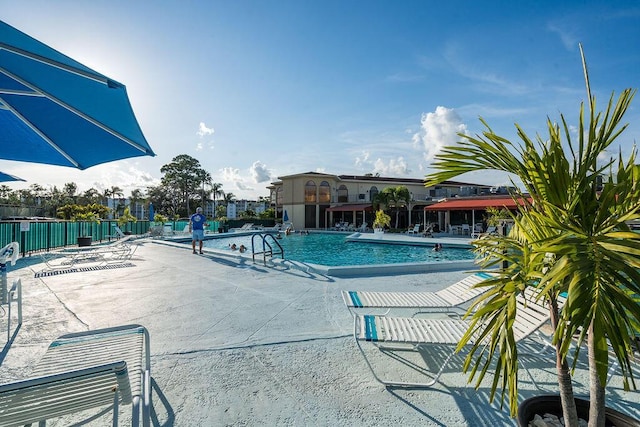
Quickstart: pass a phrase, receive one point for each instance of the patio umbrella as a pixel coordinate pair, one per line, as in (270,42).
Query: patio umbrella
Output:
(4,177)
(151,212)
(285,217)
(57,111)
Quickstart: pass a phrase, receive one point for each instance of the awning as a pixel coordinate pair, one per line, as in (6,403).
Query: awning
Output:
(350,208)
(463,204)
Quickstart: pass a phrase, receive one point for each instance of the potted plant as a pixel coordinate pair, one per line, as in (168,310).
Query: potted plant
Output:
(382,220)
(569,238)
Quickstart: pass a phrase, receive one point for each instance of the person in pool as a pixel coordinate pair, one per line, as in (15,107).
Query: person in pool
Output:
(243,248)
(233,247)
(197,222)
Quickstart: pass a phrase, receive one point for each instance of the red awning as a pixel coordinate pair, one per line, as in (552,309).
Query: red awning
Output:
(463,204)
(350,208)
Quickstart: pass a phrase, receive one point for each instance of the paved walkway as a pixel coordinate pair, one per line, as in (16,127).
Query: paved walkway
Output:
(236,344)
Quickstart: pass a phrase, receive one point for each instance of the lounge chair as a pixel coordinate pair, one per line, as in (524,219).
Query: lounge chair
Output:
(363,228)
(12,294)
(411,334)
(414,230)
(114,252)
(491,230)
(84,371)
(118,233)
(452,296)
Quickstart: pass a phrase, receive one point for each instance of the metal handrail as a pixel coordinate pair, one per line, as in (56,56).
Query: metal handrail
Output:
(267,249)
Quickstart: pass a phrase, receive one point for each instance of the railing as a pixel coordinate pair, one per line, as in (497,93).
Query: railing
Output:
(267,249)
(35,236)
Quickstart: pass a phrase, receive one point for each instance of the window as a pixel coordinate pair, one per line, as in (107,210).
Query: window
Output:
(343,194)
(373,192)
(324,193)
(279,196)
(310,192)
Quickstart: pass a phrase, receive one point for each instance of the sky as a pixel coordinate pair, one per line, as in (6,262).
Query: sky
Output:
(257,89)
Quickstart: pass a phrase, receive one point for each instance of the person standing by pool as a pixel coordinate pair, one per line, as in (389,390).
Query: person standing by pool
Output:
(197,222)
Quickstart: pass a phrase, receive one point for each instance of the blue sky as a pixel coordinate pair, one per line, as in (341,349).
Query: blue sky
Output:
(260,89)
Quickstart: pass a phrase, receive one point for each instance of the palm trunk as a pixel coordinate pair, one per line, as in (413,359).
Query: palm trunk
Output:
(569,411)
(596,388)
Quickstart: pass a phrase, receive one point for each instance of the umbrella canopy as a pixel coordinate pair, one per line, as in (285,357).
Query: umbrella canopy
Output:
(151,212)
(4,177)
(55,110)
(285,217)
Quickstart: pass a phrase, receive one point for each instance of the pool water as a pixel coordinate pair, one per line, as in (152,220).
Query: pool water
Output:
(331,249)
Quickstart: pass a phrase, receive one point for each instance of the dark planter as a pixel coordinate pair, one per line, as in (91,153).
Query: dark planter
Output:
(551,404)
(128,233)
(84,241)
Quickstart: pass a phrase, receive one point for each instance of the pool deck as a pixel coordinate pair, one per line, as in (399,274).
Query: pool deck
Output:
(237,343)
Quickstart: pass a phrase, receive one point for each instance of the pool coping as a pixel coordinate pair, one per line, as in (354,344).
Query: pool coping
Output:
(353,270)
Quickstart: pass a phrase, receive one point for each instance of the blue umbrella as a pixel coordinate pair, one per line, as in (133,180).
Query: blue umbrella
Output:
(4,177)
(285,217)
(55,110)
(151,212)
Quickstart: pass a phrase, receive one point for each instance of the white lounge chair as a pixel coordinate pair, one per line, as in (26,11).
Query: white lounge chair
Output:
(414,230)
(402,334)
(83,371)
(452,296)
(14,294)
(363,227)
(117,233)
(114,252)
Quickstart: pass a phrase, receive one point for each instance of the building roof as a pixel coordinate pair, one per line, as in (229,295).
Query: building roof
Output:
(475,203)
(419,181)
(350,208)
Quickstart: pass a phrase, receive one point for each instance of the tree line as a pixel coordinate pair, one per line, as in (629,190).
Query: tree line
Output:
(183,186)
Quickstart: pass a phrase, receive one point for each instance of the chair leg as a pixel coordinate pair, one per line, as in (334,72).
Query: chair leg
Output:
(388,383)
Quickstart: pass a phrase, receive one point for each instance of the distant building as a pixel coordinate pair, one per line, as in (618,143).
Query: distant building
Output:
(318,200)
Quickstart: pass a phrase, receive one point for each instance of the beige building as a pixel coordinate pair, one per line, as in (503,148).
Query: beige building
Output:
(314,200)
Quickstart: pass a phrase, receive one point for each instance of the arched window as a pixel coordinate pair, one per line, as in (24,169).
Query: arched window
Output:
(279,196)
(310,192)
(324,195)
(373,192)
(343,194)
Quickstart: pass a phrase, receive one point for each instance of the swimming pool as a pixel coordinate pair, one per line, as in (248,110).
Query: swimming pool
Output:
(332,249)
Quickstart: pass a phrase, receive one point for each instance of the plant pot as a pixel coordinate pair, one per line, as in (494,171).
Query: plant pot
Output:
(551,404)
(378,230)
(84,241)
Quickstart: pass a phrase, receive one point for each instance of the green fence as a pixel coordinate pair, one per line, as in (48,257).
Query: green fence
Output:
(35,236)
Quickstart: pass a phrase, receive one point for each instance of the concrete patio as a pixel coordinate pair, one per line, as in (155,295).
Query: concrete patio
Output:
(236,343)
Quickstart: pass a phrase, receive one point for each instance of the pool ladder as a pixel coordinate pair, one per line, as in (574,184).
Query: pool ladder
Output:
(267,248)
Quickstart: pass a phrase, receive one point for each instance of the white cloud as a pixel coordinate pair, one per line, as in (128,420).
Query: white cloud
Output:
(203,130)
(395,167)
(259,172)
(363,159)
(438,129)
(242,186)
(230,174)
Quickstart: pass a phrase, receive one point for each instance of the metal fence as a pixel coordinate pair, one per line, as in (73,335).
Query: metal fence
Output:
(35,236)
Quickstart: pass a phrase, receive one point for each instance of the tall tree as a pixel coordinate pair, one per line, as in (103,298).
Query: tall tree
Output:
(216,191)
(137,195)
(70,191)
(185,174)
(206,181)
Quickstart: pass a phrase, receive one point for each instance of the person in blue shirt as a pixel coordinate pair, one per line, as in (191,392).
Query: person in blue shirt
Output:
(197,222)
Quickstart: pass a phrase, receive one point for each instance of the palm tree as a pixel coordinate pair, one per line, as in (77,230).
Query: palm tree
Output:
(216,191)
(395,197)
(205,180)
(571,238)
